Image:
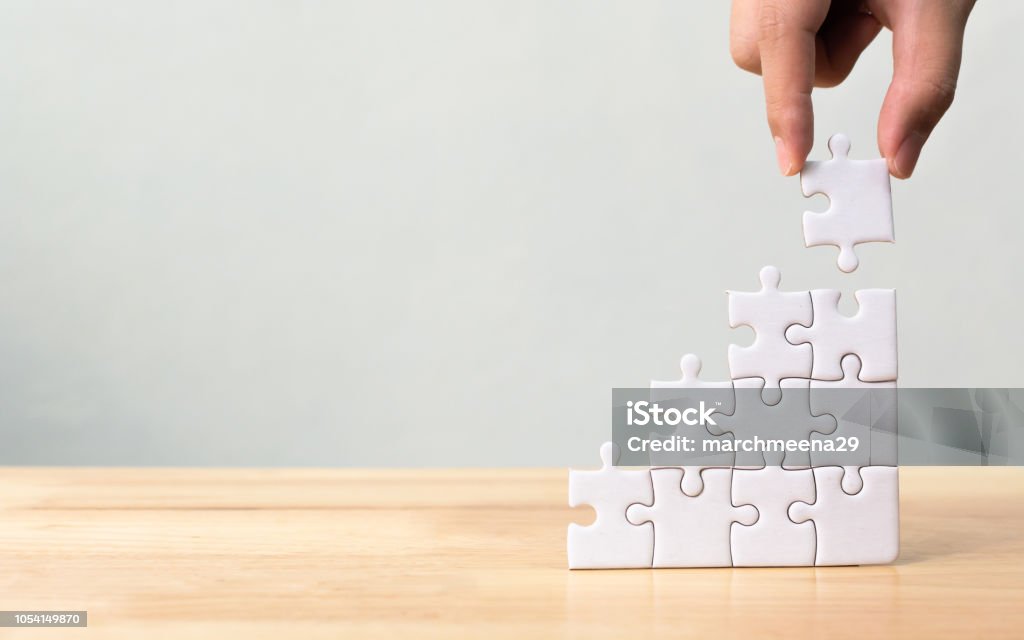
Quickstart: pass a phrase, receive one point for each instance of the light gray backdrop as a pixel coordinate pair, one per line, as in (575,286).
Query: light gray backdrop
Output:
(401,233)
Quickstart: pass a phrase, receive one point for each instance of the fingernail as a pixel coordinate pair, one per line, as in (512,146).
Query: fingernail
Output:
(906,157)
(785,164)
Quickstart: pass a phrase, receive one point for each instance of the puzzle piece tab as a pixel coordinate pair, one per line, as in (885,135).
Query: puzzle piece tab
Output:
(689,367)
(611,542)
(860,202)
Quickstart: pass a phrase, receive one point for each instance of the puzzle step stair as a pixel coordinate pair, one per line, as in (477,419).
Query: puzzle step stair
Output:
(827,373)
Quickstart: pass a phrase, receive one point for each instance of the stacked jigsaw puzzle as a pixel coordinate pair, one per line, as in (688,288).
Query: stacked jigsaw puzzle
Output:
(823,509)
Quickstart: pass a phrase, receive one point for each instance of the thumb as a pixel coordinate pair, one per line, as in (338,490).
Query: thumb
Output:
(927,46)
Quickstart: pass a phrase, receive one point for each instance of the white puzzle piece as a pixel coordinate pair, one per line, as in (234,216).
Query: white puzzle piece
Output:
(860,202)
(774,540)
(692,531)
(854,529)
(870,334)
(610,542)
(710,392)
(852,403)
(769,312)
(788,419)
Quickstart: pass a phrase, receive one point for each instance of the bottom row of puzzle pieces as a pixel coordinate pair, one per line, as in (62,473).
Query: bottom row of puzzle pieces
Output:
(742,517)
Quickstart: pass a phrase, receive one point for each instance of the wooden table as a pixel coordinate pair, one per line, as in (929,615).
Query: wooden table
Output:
(213,553)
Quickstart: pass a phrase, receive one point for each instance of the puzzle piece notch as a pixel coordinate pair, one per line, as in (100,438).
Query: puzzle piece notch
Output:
(788,419)
(860,202)
(773,540)
(852,403)
(870,334)
(690,366)
(769,312)
(854,529)
(692,531)
(610,542)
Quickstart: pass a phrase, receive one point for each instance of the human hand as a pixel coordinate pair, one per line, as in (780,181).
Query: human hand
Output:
(800,44)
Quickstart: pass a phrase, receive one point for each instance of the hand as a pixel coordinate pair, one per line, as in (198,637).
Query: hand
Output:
(800,44)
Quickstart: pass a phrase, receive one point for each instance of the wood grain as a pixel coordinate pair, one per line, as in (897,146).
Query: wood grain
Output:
(214,553)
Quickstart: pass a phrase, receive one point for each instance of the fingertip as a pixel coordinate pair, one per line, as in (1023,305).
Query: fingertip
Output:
(798,160)
(903,163)
(793,140)
(782,156)
(795,167)
(790,159)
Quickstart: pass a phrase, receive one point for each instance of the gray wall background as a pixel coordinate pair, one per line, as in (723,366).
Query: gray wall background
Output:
(400,233)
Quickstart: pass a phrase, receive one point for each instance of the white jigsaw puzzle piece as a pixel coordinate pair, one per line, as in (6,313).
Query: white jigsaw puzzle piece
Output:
(854,414)
(692,531)
(860,202)
(690,366)
(788,419)
(611,542)
(863,528)
(774,540)
(870,334)
(769,312)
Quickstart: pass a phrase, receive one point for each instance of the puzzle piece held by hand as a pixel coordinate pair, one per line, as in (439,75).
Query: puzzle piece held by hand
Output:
(860,202)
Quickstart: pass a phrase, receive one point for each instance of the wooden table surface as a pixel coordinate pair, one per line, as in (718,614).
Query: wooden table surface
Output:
(216,553)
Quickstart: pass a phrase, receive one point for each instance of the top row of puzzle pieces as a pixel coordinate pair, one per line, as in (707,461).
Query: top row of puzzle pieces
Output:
(860,202)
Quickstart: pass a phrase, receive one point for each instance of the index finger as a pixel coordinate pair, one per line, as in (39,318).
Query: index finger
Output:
(787,46)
